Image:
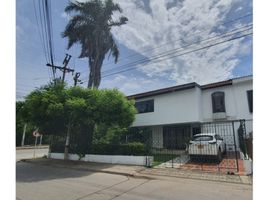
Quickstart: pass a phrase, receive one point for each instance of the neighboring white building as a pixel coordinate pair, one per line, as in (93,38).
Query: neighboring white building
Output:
(176,113)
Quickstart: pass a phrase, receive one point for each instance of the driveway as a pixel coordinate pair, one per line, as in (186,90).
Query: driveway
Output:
(48,182)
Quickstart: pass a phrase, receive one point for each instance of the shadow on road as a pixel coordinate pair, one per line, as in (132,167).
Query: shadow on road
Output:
(28,172)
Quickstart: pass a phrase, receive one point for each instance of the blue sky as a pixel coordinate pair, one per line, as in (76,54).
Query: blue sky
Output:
(154,27)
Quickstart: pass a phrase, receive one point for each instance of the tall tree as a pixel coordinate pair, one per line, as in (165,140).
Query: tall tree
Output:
(91,27)
(57,110)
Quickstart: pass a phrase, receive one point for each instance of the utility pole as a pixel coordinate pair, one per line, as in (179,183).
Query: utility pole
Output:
(76,80)
(64,69)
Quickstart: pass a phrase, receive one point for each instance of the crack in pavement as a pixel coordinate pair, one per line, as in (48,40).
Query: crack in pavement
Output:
(102,189)
(118,195)
(130,189)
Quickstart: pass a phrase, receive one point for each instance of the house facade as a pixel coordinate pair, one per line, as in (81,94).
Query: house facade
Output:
(176,113)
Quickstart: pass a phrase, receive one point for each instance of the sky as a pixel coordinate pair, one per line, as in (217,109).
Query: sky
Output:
(157,45)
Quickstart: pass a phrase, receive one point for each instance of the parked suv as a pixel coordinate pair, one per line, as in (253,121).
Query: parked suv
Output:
(207,145)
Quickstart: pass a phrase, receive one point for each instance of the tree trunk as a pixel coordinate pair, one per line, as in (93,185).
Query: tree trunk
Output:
(91,73)
(67,143)
(98,72)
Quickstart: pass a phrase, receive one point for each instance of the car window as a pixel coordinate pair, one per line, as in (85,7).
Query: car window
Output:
(203,138)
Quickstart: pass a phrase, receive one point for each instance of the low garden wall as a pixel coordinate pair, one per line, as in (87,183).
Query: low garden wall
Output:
(112,159)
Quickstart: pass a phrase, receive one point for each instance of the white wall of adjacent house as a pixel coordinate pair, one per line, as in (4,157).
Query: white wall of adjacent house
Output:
(236,102)
(171,108)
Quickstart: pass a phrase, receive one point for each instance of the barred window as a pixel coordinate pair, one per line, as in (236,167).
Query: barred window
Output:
(218,102)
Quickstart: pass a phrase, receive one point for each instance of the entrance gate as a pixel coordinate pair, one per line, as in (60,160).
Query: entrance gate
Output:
(170,149)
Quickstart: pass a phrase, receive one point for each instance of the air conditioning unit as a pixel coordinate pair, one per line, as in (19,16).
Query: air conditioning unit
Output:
(219,115)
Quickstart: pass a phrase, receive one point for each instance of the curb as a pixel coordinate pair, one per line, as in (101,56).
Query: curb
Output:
(161,176)
(32,147)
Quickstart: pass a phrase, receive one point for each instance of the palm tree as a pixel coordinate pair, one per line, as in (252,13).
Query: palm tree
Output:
(91,27)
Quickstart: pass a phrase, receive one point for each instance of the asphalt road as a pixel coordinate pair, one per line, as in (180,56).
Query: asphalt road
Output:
(46,182)
(29,153)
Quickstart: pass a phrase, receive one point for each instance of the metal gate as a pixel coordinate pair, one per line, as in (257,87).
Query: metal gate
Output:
(171,148)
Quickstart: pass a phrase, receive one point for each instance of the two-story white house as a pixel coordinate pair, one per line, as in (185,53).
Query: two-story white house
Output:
(175,114)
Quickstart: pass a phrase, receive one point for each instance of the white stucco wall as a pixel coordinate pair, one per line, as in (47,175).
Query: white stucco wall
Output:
(236,102)
(240,93)
(176,107)
(113,159)
(195,105)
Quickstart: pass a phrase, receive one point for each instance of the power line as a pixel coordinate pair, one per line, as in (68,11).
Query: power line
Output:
(27,86)
(182,53)
(49,23)
(64,69)
(31,78)
(43,13)
(40,32)
(45,29)
(177,49)
(195,50)
(151,49)
(183,48)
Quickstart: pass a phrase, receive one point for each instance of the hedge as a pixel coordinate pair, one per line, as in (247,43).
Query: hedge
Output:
(133,148)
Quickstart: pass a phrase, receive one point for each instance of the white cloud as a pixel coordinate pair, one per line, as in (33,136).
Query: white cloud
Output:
(64,15)
(133,84)
(168,21)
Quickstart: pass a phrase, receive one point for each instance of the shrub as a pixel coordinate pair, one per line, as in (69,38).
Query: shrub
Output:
(133,148)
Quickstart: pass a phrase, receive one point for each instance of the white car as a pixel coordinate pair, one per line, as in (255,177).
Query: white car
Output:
(207,144)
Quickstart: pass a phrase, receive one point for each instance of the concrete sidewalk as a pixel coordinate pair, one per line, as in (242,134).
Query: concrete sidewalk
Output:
(142,172)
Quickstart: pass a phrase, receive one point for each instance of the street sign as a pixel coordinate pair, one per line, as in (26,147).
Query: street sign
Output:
(36,134)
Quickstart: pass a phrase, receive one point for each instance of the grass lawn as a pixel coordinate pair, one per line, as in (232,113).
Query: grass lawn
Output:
(161,158)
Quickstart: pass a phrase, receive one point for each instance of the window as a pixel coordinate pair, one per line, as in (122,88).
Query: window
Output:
(203,138)
(218,104)
(145,106)
(250,100)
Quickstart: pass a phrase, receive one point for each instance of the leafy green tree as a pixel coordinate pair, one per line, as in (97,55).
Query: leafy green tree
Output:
(21,121)
(58,110)
(91,27)
(46,109)
(104,134)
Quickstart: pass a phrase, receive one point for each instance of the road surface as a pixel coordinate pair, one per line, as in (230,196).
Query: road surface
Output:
(29,153)
(47,182)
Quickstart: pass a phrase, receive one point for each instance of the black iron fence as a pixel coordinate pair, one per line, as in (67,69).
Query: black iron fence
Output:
(224,145)
(220,148)
(133,142)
